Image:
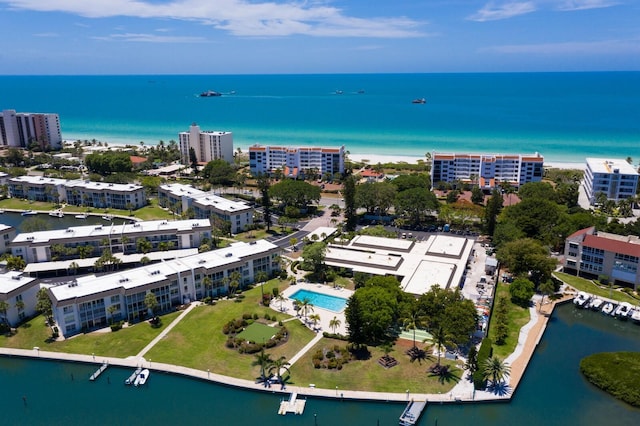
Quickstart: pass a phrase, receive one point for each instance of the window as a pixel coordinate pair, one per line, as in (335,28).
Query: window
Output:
(68,309)
(115,299)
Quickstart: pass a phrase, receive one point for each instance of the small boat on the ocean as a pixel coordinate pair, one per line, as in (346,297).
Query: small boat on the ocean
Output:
(339,92)
(210,94)
(142,378)
(56,213)
(28,213)
(82,216)
(419,101)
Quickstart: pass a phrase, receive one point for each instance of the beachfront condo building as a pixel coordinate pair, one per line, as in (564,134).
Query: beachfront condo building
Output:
(181,199)
(92,240)
(592,254)
(616,179)
(296,162)
(86,302)
(487,171)
(21,129)
(78,192)
(18,294)
(208,145)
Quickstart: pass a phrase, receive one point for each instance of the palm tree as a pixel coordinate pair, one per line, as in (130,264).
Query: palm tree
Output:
(315,319)
(278,365)
(280,298)
(547,288)
(264,361)
(414,320)
(441,339)
(305,307)
(226,282)
(261,277)
(235,280)
(334,324)
(207,282)
(495,369)
(73,267)
(19,305)
(112,310)
(4,307)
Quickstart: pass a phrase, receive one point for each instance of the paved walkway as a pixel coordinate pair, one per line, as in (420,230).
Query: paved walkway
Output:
(168,329)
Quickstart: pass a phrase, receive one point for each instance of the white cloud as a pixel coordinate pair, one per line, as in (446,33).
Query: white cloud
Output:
(631,46)
(150,38)
(46,35)
(571,5)
(240,17)
(493,12)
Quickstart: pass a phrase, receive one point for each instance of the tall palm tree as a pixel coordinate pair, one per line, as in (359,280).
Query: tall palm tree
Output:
(277,366)
(315,319)
(19,305)
(305,307)
(280,298)
(207,282)
(496,369)
(236,280)
(4,307)
(334,324)
(414,320)
(261,277)
(441,339)
(264,361)
(547,288)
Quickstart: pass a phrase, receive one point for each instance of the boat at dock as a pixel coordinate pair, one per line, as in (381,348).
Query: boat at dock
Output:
(596,304)
(581,299)
(107,217)
(56,213)
(133,376)
(142,378)
(28,213)
(608,308)
(623,310)
(635,316)
(82,216)
(412,413)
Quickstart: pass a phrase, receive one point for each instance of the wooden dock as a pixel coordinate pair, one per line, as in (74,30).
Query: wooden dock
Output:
(293,405)
(412,413)
(97,374)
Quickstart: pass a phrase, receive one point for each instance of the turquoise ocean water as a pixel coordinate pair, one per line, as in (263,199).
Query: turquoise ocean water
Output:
(553,392)
(564,116)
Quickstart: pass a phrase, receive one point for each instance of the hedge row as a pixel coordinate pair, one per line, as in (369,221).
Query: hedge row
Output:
(484,353)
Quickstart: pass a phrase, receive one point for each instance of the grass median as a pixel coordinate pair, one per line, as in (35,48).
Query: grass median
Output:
(517,317)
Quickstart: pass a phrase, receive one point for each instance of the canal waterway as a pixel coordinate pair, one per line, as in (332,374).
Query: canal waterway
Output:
(553,391)
(16,219)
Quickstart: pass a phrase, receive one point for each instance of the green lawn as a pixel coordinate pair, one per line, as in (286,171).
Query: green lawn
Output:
(370,376)
(590,287)
(517,317)
(257,332)
(198,342)
(121,344)
(15,203)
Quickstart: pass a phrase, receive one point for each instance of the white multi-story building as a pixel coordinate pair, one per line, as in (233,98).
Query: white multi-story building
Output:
(7,233)
(486,170)
(78,192)
(293,162)
(591,253)
(19,292)
(63,244)
(208,145)
(19,129)
(180,198)
(617,179)
(85,303)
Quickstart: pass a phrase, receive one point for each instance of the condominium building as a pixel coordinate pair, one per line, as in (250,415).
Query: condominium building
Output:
(92,240)
(180,198)
(19,130)
(86,303)
(616,179)
(592,254)
(486,170)
(295,162)
(19,292)
(208,145)
(7,233)
(78,192)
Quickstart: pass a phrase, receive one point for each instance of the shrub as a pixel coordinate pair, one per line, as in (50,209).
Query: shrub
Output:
(255,316)
(246,316)
(317,363)
(484,353)
(267,317)
(280,323)
(115,326)
(521,291)
(270,343)
(616,373)
(207,300)
(230,343)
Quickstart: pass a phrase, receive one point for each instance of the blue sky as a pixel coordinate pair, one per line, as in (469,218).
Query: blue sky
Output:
(316,36)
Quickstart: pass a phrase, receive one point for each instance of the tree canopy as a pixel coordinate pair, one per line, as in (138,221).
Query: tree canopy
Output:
(105,163)
(295,193)
(527,257)
(415,202)
(219,172)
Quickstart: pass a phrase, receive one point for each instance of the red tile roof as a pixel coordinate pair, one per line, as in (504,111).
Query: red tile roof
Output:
(137,160)
(581,232)
(613,246)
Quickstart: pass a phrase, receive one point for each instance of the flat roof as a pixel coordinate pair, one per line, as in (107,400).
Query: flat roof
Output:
(608,165)
(98,231)
(446,245)
(326,230)
(13,280)
(78,183)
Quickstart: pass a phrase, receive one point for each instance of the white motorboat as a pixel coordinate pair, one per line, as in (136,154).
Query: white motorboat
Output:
(608,308)
(623,310)
(82,216)
(142,378)
(581,299)
(596,304)
(635,316)
(107,217)
(28,213)
(133,376)
(56,213)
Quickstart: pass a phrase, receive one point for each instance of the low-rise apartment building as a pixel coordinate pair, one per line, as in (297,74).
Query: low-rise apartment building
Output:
(92,240)
(592,253)
(7,234)
(18,294)
(295,162)
(180,198)
(486,170)
(93,301)
(616,179)
(78,192)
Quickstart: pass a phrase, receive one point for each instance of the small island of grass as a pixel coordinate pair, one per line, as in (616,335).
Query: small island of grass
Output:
(617,373)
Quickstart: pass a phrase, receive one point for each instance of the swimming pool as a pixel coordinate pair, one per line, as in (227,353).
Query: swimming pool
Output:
(323,301)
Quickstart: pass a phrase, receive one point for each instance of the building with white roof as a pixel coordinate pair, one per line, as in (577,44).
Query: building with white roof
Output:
(85,303)
(296,161)
(180,198)
(614,178)
(418,265)
(78,192)
(7,233)
(21,129)
(62,244)
(486,170)
(208,145)
(19,292)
